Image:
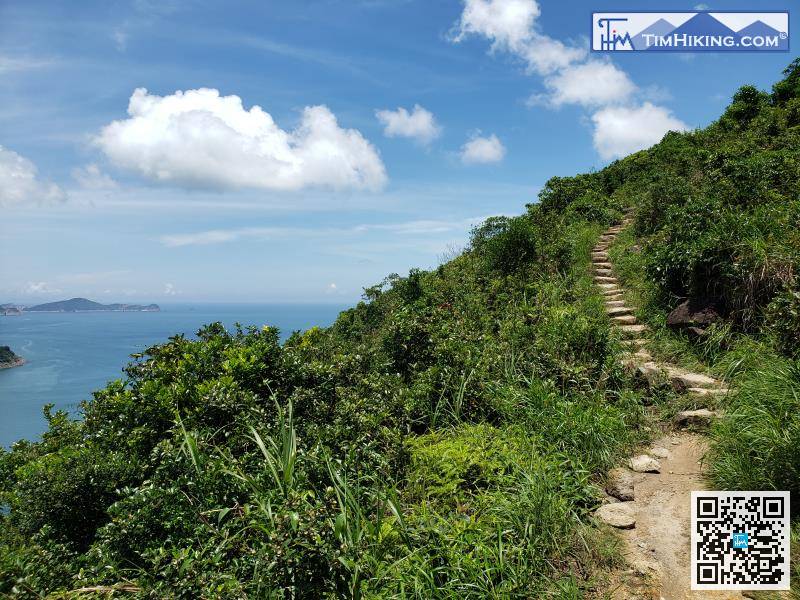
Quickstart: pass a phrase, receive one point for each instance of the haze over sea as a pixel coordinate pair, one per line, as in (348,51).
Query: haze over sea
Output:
(70,354)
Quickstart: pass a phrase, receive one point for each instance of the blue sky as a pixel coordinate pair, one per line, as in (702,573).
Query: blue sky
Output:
(184,191)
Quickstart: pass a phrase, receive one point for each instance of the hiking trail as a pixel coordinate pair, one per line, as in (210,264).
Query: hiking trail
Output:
(649,497)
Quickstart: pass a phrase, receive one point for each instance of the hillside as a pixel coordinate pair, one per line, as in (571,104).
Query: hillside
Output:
(448,437)
(84,305)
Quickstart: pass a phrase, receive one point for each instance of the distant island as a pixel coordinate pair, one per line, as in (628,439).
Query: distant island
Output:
(84,305)
(8,359)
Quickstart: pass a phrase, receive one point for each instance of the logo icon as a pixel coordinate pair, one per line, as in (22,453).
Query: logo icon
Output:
(740,540)
(609,38)
(690,31)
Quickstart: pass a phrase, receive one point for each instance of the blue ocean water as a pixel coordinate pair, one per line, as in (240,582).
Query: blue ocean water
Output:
(70,354)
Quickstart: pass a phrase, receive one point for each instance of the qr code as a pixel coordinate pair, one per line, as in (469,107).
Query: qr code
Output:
(740,541)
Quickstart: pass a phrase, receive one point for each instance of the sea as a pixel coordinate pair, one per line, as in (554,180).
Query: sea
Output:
(68,355)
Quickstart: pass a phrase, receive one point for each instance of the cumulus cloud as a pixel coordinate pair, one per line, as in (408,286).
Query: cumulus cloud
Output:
(419,124)
(624,120)
(620,130)
(482,150)
(91,177)
(510,25)
(170,290)
(593,83)
(20,184)
(197,138)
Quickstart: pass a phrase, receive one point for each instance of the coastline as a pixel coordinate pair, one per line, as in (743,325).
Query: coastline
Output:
(17,362)
(99,310)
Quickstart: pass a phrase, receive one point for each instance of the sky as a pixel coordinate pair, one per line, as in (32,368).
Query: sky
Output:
(299,151)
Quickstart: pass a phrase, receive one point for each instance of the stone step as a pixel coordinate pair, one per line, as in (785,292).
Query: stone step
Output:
(635,342)
(698,391)
(618,297)
(615,311)
(612,292)
(637,362)
(614,303)
(608,286)
(600,254)
(625,320)
(601,264)
(632,330)
(699,418)
(618,514)
(605,279)
(649,371)
(603,272)
(682,381)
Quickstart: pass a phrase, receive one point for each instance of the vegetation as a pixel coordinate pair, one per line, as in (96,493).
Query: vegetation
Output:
(443,438)
(7,355)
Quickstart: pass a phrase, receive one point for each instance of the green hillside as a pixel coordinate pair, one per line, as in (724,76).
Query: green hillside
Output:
(446,436)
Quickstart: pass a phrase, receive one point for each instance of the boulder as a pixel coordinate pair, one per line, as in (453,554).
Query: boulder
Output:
(620,484)
(645,464)
(693,316)
(619,515)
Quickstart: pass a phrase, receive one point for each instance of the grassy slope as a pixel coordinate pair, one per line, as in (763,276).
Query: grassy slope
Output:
(444,437)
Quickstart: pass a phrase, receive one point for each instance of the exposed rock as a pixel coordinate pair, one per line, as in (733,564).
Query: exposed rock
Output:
(701,417)
(683,381)
(625,320)
(644,464)
(619,515)
(633,330)
(659,452)
(620,484)
(693,314)
(650,372)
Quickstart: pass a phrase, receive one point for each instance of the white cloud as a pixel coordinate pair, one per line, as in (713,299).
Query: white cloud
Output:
(91,177)
(200,139)
(39,287)
(120,38)
(422,227)
(482,150)
(593,83)
(169,290)
(622,130)
(510,25)
(26,63)
(419,124)
(545,54)
(569,78)
(20,185)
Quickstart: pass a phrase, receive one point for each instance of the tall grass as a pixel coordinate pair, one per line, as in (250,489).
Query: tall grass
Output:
(757,443)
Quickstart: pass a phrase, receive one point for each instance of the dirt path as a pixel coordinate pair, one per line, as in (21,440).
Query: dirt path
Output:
(657,548)
(649,500)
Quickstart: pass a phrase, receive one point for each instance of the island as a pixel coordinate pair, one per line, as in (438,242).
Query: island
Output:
(8,359)
(84,305)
